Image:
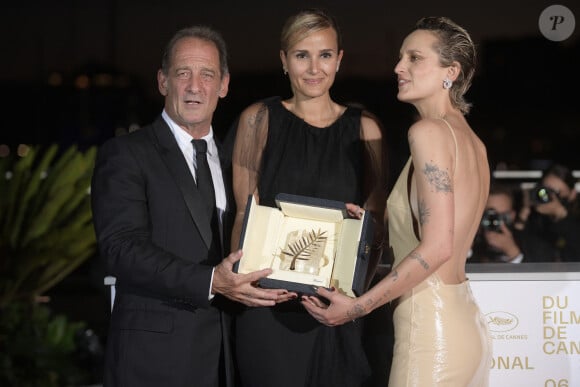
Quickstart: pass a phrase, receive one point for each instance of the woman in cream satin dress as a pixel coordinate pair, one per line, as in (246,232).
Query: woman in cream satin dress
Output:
(434,211)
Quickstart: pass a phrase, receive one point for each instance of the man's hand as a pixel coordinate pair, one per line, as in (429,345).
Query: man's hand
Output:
(342,309)
(243,287)
(503,241)
(554,209)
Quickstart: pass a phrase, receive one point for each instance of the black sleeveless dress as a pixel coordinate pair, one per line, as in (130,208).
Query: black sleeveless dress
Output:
(283,345)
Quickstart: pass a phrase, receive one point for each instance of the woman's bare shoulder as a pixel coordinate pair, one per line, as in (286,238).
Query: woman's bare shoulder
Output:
(253,116)
(371,127)
(428,126)
(429,132)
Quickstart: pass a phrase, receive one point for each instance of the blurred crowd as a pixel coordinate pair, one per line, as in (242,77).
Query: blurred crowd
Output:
(536,224)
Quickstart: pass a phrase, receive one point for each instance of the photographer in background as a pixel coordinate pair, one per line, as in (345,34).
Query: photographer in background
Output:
(498,240)
(554,216)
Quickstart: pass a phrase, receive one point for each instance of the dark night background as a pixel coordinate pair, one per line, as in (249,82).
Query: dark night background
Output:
(80,72)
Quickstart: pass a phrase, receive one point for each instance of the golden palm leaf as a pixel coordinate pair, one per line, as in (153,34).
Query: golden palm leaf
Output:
(304,247)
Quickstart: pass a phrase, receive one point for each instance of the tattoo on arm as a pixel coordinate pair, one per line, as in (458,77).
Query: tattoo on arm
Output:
(387,295)
(394,276)
(356,312)
(424,212)
(437,178)
(419,258)
(255,120)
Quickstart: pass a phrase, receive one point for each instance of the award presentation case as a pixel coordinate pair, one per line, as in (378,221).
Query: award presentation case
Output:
(308,243)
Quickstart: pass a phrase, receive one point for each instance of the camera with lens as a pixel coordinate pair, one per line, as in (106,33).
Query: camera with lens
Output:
(541,194)
(492,220)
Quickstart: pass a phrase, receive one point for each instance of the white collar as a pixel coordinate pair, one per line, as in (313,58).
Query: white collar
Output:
(183,137)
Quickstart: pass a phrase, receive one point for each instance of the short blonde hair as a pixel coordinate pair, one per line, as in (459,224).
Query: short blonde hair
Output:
(299,26)
(454,45)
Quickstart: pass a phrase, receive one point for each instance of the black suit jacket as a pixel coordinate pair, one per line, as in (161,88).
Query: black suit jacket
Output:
(154,238)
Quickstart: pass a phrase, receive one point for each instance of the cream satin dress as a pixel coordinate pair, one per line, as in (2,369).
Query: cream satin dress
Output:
(441,338)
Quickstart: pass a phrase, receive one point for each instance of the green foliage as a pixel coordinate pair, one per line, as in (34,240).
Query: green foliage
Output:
(46,232)
(46,227)
(38,348)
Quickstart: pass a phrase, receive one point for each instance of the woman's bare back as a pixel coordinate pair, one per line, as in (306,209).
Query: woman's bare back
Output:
(471,187)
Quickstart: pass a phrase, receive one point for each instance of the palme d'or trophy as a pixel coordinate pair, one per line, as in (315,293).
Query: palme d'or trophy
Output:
(304,252)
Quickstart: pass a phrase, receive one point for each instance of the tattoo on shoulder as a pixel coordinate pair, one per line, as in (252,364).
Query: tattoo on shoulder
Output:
(419,258)
(438,178)
(424,212)
(256,119)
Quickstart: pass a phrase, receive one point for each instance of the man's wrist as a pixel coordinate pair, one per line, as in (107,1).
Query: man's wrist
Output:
(516,259)
(513,251)
(560,214)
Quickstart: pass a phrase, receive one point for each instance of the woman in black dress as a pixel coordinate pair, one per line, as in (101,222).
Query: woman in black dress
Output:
(305,145)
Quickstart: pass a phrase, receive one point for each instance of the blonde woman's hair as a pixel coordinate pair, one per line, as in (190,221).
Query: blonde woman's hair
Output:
(454,45)
(302,24)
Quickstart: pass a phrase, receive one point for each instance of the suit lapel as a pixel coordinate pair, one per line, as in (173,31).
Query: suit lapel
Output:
(177,166)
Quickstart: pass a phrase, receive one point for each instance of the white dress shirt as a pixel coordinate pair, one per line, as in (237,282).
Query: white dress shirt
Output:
(184,142)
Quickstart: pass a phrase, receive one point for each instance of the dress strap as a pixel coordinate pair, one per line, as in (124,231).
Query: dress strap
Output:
(416,228)
(454,141)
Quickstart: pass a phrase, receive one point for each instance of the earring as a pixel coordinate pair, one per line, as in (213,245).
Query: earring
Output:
(447,83)
(285,71)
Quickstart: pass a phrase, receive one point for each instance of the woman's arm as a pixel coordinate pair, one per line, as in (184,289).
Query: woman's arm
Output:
(251,135)
(375,185)
(433,202)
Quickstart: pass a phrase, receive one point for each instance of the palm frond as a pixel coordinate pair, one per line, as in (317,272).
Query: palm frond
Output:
(303,248)
(45,219)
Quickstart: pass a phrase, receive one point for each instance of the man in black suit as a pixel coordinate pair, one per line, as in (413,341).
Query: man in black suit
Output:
(501,237)
(161,242)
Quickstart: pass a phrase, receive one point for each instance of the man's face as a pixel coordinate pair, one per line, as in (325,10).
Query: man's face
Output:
(560,188)
(193,85)
(502,204)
